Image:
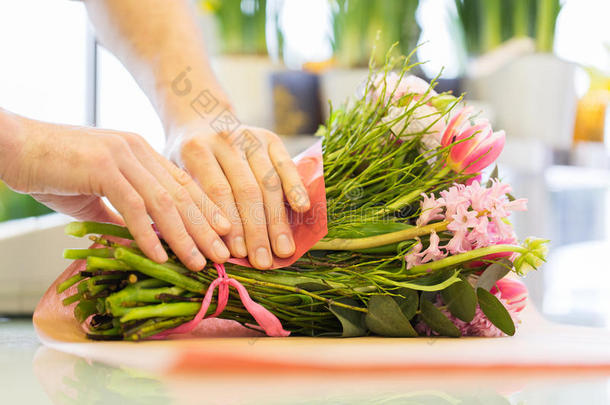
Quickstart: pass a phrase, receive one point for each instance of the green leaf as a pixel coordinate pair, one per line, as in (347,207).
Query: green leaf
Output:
(461,300)
(493,273)
(352,321)
(407,301)
(437,321)
(495,311)
(313,286)
(435,281)
(386,318)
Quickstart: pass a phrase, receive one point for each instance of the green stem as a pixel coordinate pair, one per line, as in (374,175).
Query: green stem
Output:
(169,310)
(102,263)
(120,302)
(465,257)
(76,254)
(156,270)
(296,290)
(71,299)
(154,327)
(379,240)
(69,283)
(409,197)
(80,229)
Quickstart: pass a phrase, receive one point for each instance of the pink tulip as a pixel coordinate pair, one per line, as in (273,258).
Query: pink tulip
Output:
(514,292)
(479,146)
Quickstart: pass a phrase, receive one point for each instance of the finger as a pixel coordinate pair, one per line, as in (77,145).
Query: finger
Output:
(160,205)
(202,165)
(295,191)
(195,222)
(128,202)
(209,210)
(212,213)
(249,201)
(280,234)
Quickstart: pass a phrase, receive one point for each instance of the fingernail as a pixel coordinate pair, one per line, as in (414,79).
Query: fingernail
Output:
(284,245)
(160,253)
(239,245)
(220,250)
(197,261)
(221,221)
(263,258)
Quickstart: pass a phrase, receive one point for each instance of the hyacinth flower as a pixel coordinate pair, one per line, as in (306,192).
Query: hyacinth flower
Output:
(472,147)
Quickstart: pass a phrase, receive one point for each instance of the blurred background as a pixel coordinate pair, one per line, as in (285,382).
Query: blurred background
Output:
(540,69)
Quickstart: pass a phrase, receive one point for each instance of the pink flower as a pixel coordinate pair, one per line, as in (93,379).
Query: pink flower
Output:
(513,292)
(463,219)
(459,243)
(431,209)
(433,251)
(453,198)
(413,258)
(480,235)
(478,145)
(478,196)
(520,204)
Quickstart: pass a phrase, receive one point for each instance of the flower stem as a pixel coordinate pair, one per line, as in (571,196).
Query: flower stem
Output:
(408,198)
(80,229)
(296,290)
(465,257)
(379,240)
(156,270)
(76,254)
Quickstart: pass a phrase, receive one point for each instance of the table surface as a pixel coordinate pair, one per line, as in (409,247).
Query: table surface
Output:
(562,207)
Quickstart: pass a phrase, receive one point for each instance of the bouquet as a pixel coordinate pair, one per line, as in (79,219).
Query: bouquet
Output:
(419,241)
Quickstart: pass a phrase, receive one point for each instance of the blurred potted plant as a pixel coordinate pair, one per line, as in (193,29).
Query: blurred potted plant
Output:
(360,27)
(509,44)
(15,205)
(241,61)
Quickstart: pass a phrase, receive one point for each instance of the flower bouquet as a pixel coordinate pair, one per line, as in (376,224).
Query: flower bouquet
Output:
(419,241)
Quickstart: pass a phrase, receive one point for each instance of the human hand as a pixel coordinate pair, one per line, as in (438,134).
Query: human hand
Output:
(70,168)
(246,173)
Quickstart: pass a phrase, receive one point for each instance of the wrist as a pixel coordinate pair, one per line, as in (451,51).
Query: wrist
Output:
(191,100)
(194,121)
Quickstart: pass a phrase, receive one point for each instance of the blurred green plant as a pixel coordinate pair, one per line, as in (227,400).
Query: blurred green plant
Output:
(241,25)
(486,24)
(14,205)
(356,24)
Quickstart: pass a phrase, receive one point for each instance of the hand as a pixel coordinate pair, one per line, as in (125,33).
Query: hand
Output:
(70,168)
(246,173)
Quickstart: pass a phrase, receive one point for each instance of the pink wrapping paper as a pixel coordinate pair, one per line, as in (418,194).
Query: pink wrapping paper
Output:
(309,227)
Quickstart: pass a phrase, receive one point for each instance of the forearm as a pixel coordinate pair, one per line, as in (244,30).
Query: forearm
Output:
(11,143)
(162,46)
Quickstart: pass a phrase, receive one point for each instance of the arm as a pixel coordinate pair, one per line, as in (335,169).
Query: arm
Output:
(246,171)
(70,168)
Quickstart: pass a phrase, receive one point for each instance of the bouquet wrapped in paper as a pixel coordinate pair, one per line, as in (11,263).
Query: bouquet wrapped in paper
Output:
(407,237)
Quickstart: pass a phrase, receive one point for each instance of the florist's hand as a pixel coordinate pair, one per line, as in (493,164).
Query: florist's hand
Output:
(70,168)
(246,173)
